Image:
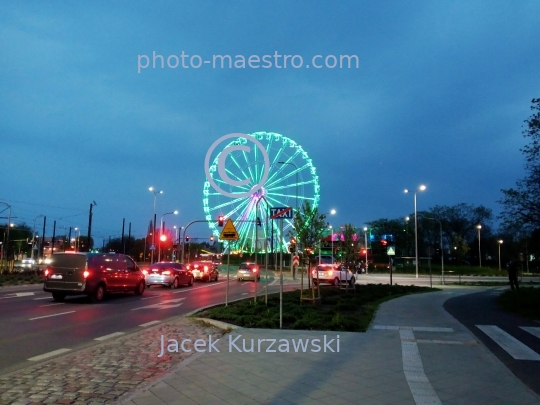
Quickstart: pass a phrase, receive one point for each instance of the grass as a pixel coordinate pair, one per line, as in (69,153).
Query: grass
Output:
(525,302)
(20,279)
(339,310)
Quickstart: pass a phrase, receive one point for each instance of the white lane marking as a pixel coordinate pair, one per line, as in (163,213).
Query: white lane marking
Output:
(50,354)
(48,316)
(152,296)
(162,305)
(50,305)
(273,282)
(112,335)
(43,298)
(413,368)
(144,325)
(510,344)
(17,295)
(198,288)
(535,331)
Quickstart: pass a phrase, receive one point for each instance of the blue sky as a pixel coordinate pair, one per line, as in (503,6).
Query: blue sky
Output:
(439,98)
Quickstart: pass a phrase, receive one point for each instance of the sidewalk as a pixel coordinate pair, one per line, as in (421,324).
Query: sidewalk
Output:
(414,353)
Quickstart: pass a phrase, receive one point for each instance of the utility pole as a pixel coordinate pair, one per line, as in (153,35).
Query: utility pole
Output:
(90,226)
(123,246)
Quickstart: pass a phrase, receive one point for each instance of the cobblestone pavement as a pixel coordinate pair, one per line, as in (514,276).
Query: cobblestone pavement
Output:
(102,373)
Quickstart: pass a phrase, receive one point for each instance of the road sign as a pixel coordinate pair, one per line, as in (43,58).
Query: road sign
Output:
(281,212)
(390,250)
(229,231)
(295,261)
(152,247)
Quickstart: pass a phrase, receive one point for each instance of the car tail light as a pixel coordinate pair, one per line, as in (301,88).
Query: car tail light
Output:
(314,272)
(166,272)
(255,270)
(206,269)
(329,272)
(86,273)
(47,272)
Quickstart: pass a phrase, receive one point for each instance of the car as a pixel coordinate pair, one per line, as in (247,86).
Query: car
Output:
(28,262)
(332,274)
(248,271)
(204,270)
(92,274)
(169,274)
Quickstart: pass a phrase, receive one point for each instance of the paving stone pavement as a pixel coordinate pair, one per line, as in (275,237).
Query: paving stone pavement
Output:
(102,373)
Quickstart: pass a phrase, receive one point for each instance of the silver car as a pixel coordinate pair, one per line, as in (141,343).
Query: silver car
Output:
(169,274)
(248,271)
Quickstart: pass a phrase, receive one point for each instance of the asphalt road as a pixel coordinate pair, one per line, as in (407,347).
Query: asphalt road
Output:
(34,325)
(481,309)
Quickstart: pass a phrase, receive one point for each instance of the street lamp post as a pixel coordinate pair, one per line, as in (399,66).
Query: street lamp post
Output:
(154,224)
(6,234)
(332,240)
(78,236)
(34,234)
(421,188)
(175,212)
(500,243)
(296,174)
(479,249)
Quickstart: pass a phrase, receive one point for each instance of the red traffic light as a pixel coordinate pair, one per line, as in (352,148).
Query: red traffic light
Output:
(220,220)
(163,238)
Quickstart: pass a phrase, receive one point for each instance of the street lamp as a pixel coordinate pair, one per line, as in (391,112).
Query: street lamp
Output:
(78,236)
(442,254)
(332,240)
(365,242)
(154,225)
(421,188)
(175,212)
(479,250)
(500,243)
(296,174)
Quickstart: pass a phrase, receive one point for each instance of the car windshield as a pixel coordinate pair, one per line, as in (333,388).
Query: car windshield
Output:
(245,266)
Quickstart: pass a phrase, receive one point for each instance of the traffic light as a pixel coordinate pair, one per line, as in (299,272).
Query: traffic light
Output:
(163,238)
(384,242)
(187,238)
(292,248)
(220,220)
(258,221)
(211,238)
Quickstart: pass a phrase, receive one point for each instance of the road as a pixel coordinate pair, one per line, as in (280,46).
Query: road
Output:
(33,325)
(513,339)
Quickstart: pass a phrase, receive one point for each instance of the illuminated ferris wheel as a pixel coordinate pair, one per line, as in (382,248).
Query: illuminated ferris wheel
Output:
(291,180)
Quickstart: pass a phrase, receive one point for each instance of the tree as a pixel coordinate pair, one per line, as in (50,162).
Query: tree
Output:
(309,226)
(348,244)
(521,205)
(460,248)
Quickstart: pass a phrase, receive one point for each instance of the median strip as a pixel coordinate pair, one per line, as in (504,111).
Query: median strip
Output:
(50,354)
(48,316)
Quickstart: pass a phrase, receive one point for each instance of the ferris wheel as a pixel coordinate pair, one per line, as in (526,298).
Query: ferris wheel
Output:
(291,179)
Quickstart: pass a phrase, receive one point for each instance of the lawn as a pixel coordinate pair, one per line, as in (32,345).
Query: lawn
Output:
(525,302)
(20,278)
(339,310)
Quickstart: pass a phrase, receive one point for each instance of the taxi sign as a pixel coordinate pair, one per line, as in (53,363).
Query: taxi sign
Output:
(229,231)
(390,250)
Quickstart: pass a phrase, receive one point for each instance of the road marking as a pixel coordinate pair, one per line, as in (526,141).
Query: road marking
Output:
(48,316)
(163,305)
(17,295)
(508,343)
(532,330)
(50,354)
(112,335)
(144,325)
(413,368)
(152,296)
(50,305)
(198,288)
(43,298)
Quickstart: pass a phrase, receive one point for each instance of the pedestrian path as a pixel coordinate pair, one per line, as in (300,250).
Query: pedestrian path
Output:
(414,353)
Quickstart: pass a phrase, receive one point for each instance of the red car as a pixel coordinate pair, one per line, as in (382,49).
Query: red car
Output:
(203,271)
